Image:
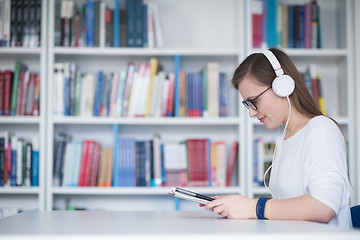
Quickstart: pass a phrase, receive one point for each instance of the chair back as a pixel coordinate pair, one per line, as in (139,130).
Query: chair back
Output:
(355,216)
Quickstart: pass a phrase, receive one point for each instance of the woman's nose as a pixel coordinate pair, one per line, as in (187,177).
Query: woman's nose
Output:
(252,112)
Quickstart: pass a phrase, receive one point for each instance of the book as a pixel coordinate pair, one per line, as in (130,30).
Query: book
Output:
(35,161)
(20,68)
(232,160)
(213,88)
(256,15)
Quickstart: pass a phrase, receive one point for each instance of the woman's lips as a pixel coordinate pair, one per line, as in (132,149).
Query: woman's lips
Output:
(262,119)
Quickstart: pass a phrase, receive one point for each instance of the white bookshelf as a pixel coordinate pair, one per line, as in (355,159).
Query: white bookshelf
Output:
(186,35)
(334,62)
(27,198)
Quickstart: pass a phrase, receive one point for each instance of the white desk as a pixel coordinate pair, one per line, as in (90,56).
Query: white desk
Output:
(159,225)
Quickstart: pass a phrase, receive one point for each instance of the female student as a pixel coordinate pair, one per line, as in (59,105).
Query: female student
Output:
(309,179)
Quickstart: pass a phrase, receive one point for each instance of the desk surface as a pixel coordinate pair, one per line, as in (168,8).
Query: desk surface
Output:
(159,225)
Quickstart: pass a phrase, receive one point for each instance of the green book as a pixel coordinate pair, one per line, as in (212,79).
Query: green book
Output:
(19,66)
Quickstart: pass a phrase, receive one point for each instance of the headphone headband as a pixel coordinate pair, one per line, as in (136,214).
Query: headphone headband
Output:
(283,85)
(274,62)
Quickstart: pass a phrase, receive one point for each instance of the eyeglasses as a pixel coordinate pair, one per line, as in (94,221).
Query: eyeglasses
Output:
(251,103)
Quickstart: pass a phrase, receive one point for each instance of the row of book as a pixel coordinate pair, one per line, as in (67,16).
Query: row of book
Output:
(313,82)
(286,26)
(19,161)
(20,23)
(130,23)
(192,162)
(19,91)
(142,90)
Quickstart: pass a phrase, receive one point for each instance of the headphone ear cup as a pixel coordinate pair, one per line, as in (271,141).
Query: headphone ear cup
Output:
(283,86)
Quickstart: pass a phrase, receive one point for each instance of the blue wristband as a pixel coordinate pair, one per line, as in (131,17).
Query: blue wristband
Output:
(260,208)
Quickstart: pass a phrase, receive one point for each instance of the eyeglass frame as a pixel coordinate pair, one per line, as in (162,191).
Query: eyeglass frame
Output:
(251,102)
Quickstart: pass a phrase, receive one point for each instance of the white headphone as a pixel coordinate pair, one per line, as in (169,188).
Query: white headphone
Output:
(283,85)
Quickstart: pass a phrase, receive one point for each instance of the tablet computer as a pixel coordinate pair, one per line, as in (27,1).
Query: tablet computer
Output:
(189,195)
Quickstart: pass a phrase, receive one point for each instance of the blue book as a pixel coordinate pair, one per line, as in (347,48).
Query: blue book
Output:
(76,163)
(301,26)
(14,143)
(223,101)
(115,156)
(98,94)
(120,93)
(145,25)
(163,170)
(139,21)
(67,89)
(271,23)
(89,22)
(177,87)
(116,21)
(131,21)
(35,163)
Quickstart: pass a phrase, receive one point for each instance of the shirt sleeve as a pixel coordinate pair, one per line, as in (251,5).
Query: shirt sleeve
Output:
(326,175)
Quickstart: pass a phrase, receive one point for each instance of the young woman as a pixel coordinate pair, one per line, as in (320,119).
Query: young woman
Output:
(309,179)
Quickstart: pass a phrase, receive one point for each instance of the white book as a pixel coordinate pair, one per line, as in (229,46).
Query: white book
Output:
(150,27)
(113,97)
(157,160)
(144,90)
(165,96)
(58,89)
(1,20)
(88,95)
(158,99)
(134,94)
(159,41)
(221,164)
(6,23)
(213,89)
(102,30)
(67,164)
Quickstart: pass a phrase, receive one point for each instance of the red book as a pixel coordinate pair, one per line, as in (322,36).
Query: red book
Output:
(84,152)
(7,92)
(170,103)
(36,97)
(88,162)
(198,162)
(1,93)
(95,165)
(257,23)
(232,160)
